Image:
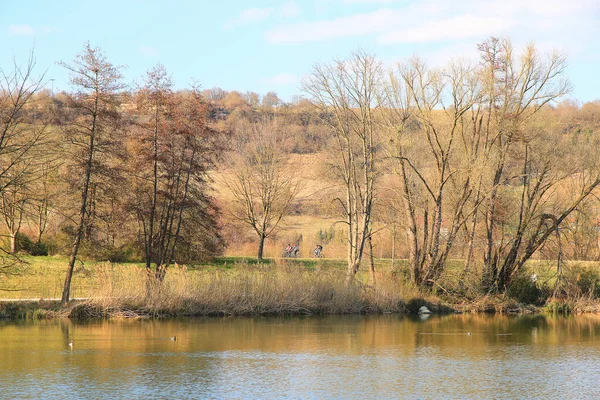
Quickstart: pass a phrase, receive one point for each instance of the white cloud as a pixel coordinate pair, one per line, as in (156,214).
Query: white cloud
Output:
(355,25)
(461,27)
(289,9)
(22,30)
(148,51)
(441,20)
(556,8)
(255,15)
(28,30)
(249,16)
(370,1)
(460,50)
(281,79)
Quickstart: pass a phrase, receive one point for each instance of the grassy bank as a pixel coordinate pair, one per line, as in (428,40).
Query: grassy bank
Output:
(241,286)
(43,277)
(229,286)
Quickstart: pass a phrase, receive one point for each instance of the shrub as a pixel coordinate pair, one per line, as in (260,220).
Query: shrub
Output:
(39,249)
(526,291)
(25,244)
(116,254)
(584,281)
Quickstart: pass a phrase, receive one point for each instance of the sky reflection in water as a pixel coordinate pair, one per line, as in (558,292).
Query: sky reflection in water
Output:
(304,357)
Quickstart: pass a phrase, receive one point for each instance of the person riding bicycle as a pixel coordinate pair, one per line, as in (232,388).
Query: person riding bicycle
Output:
(317,252)
(295,251)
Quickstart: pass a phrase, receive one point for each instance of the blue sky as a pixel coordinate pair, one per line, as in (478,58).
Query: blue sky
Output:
(263,45)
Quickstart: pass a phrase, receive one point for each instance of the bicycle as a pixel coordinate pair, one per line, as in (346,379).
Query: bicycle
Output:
(318,252)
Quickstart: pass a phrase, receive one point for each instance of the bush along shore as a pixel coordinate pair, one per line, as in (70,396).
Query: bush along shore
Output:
(291,288)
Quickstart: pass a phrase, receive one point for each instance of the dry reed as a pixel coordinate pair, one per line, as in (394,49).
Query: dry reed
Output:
(275,289)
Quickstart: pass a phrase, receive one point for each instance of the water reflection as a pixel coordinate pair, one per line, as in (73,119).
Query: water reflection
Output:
(458,356)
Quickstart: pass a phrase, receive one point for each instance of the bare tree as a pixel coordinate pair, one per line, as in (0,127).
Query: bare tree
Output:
(538,211)
(154,100)
(426,116)
(45,190)
(270,101)
(261,181)
(169,171)
(14,199)
(96,84)
(26,193)
(17,90)
(516,90)
(20,141)
(464,140)
(346,92)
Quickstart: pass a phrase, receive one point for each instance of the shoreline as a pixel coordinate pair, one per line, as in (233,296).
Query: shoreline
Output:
(86,309)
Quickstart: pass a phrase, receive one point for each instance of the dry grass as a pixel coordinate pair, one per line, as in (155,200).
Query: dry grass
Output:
(275,289)
(236,286)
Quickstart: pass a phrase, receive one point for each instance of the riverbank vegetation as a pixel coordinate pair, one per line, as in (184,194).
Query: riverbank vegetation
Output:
(450,186)
(242,286)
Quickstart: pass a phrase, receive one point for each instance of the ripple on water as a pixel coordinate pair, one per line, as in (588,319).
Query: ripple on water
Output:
(308,358)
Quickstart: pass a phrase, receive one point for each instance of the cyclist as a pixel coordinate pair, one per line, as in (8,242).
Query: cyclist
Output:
(317,252)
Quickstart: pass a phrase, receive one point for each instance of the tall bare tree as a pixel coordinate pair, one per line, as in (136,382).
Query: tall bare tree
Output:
(261,181)
(169,172)
(92,131)
(516,89)
(154,100)
(461,135)
(347,93)
(427,116)
(20,140)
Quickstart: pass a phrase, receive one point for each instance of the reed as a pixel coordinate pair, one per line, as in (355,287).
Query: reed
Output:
(242,286)
(278,288)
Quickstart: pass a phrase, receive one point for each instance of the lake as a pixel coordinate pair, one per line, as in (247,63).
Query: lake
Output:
(332,357)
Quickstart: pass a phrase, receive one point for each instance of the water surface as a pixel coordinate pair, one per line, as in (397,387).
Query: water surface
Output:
(459,356)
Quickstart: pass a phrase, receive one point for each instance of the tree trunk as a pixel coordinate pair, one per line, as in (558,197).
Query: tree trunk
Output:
(39,235)
(411,232)
(372,260)
(261,245)
(150,236)
(490,258)
(82,212)
(79,235)
(75,249)
(393,244)
(66,295)
(13,242)
(470,245)
(352,270)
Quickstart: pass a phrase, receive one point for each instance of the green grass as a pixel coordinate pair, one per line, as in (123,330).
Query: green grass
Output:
(43,277)
(229,262)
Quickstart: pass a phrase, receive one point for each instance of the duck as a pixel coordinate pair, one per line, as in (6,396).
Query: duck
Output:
(174,338)
(71,344)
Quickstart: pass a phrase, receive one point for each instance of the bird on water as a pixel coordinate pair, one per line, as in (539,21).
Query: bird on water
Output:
(174,338)
(71,345)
